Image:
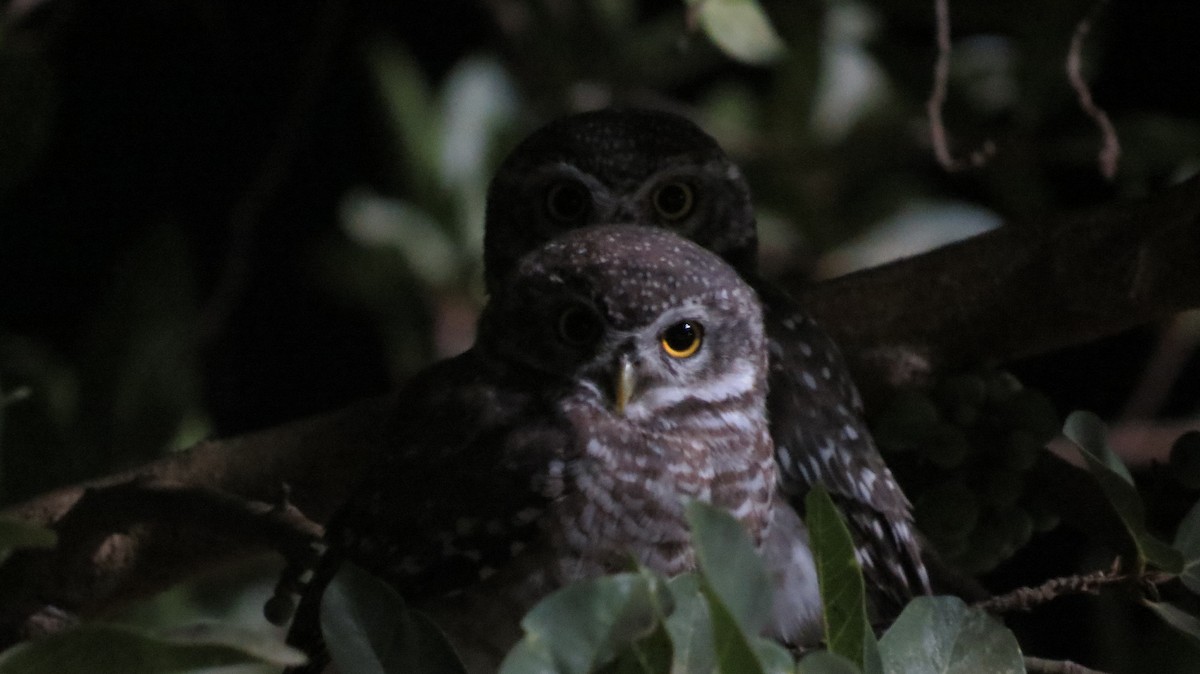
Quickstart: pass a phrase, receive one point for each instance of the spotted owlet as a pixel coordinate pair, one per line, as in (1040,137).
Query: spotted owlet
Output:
(659,169)
(618,371)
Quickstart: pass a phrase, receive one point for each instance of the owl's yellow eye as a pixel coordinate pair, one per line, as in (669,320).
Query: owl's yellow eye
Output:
(682,340)
(674,200)
(567,200)
(578,327)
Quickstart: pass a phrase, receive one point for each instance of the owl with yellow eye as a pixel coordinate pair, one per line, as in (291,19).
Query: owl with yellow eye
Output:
(619,373)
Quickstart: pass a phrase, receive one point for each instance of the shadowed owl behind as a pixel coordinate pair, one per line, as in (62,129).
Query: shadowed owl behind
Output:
(658,169)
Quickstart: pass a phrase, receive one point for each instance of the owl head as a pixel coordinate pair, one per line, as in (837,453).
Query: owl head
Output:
(638,320)
(617,166)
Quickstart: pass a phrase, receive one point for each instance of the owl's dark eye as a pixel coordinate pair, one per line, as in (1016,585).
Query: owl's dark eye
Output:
(683,339)
(578,327)
(567,200)
(674,200)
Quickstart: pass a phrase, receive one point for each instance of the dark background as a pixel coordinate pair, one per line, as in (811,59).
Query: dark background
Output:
(178,182)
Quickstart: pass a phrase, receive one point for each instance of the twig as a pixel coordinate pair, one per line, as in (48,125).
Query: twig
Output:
(1043,666)
(1110,152)
(1028,598)
(937,100)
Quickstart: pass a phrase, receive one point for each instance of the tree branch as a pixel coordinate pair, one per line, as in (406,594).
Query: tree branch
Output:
(112,533)
(1043,666)
(1017,291)
(138,532)
(1028,598)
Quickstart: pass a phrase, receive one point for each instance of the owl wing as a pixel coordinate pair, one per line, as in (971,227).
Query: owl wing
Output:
(445,505)
(821,437)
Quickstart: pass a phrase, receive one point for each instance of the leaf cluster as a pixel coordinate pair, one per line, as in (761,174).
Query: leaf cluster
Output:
(696,623)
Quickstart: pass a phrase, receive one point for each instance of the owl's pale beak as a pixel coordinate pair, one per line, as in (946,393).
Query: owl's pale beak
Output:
(624,384)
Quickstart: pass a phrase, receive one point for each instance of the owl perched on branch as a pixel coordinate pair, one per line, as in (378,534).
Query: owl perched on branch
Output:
(660,170)
(618,372)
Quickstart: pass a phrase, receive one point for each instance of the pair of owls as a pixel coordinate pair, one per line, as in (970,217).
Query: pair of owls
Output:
(618,371)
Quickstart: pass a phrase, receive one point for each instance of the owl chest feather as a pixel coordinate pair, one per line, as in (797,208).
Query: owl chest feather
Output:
(625,487)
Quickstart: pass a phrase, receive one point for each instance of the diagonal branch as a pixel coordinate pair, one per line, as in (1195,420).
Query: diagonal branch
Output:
(138,532)
(1013,292)
(93,549)
(1017,291)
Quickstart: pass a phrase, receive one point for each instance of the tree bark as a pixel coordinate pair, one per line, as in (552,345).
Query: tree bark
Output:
(126,536)
(1019,290)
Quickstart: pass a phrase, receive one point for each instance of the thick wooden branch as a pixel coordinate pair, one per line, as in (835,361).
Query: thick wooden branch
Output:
(137,532)
(150,525)
(1019,290)
(1013,292)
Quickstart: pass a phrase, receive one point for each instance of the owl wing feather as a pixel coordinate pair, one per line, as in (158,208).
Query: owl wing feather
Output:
(821,437)
(448,500)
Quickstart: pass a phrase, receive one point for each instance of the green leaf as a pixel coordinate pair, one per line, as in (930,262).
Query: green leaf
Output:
(842,590)
(375,221)
(478,100)
(652,654)
(369,629)
(415,118)
(730,565)
(1187,541)
(1182,621)
(587,624)
(116,648)
(775,659)
(737,595)
(872,660)
(733,651)
(18,535)
(529,656)
(824,662)
(740,28)
(944,635)
(1087,432)
(690,627)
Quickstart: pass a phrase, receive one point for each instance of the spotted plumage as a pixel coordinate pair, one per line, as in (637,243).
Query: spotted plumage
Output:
(618,371)
(659,169)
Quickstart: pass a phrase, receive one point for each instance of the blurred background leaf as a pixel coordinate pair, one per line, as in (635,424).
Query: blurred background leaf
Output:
(112,648)
(368,628)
